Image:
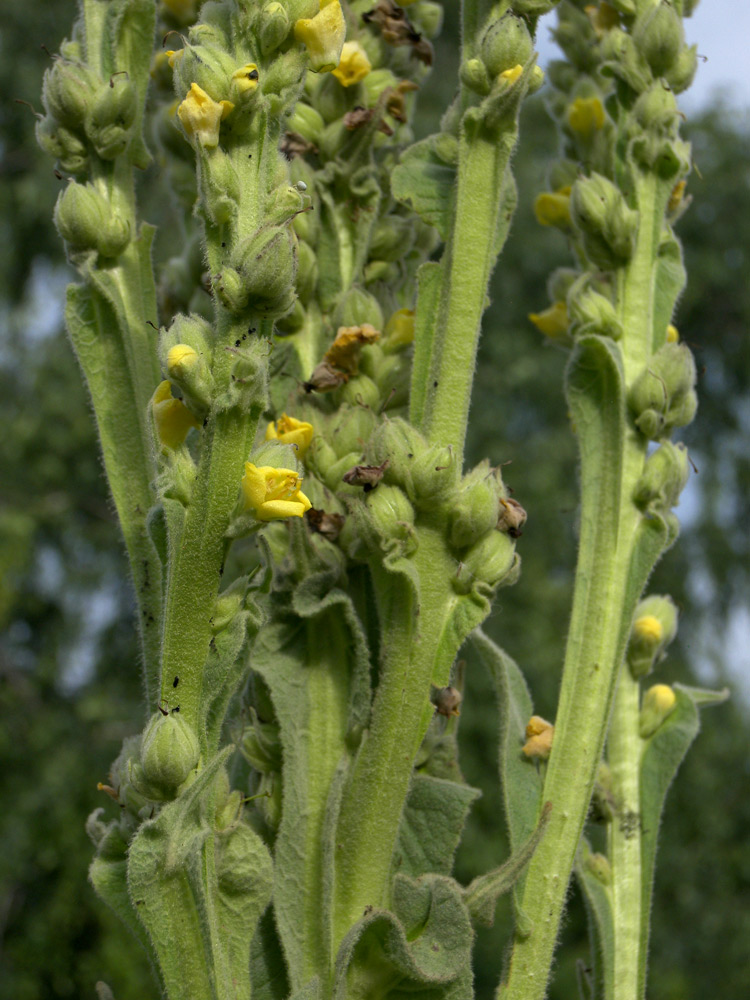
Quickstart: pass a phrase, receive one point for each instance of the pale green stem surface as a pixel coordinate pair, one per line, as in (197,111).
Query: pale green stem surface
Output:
(624,746)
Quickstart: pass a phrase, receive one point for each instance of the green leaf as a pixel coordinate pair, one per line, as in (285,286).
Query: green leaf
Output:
(426,184)
(431,825)
(426,942)
(662,755)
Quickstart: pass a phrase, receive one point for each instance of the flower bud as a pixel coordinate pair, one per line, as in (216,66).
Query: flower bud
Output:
(663,396)
(658,35)
(560,282)
(307,122)
(391,515)
(111,115)
(267,262)
(272,26)
(681,74)
(323,36)
(656,110)
(491,561)
(392,238)
(68,91)
(591,312)
(606,223)
(658,703)
(623,60)
(654,627)
(58,141)
(350,430)
(361,391)
(506,42)
(663,479)
(476,508)
(86,222)
(208,67)
(539,736)
(600,868)
(553,322)
(358,308)
(201,116)
(552,208)
(243,85)
(172,419)
(169,751)
(399,330)
(586,116)
(189,370)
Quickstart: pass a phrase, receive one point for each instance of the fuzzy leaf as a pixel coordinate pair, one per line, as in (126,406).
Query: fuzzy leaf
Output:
(431,825)
(426,184)
(426,942)
(267,966)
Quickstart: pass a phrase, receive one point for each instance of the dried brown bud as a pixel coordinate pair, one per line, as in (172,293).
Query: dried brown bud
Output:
(447,701)
(327,525)
(511,518)
(325,378)
(539,735)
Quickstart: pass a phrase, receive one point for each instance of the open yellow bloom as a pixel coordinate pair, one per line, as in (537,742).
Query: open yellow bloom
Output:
(354,65)
(172,418)
(273,493)
(201,116)
(323,35)
(553,322)
(289,430)
(552,208)
(586,115)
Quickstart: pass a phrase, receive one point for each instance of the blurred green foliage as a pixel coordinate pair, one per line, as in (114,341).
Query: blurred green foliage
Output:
(70,687)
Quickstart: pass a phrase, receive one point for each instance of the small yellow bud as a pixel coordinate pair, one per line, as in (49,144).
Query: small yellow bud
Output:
(272,493)
(354,65)
(245,80)
(289,430)
(648,628)
(201,116)
(658,702)
(673,334)
(552,208)
(553,322)
(323,35)
(539,736)
(676,197)
(399,330)
(172,418)
(174,56)
(602,17)
(586,115)
(511,75)
(180,358)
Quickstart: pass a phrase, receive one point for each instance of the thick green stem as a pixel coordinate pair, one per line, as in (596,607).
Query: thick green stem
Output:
(375,796)
(624,746)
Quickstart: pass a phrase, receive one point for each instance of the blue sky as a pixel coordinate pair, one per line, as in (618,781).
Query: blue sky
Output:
(721,28)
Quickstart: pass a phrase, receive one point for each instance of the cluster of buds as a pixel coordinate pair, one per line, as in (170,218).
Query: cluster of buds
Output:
(653,629)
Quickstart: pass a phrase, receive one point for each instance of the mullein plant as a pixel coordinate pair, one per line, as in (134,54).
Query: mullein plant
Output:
(282,417)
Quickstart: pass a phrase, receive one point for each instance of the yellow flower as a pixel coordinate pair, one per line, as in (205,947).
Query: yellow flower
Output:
(511,75)
(201,116)
(289,430)
(324,36)
(677,197)
(354,65)
(586,115)
(180,359)
(552,208)
(245,80)
(658,702)
(553,322)
(673,334)
(273,493)
(345,350)
(648,628)
(399,330)
(172,418)
(174,56)
(539,736)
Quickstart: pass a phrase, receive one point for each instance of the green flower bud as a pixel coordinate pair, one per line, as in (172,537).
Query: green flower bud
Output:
(663,396)
(606,223)
(208,66)
(267,262)
(392,516)
(111,115)
(68,91)
(357,308)
(64,145)
(281,79)
(681,74)
(600,868)
(320,456)
(376,81)
(351,429)
(189,370)
(86,222)
(169,751)
(623,60)
(230,289)
(591,312)
(474,75)
(392,238)
(658,35)
(656,110)
(664,478)
(506,42)
(335,472)
(362,391)
(307,122)
(492,561)
(560,282)
(575,36)
(476,508)
(271,27)
(654,627)
(240,870)
(658,703)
